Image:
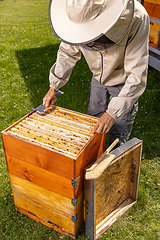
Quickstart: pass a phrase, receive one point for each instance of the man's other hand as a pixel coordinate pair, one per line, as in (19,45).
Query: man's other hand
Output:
(104,123)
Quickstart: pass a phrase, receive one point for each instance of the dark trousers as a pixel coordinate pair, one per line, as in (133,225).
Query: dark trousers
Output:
(99,98)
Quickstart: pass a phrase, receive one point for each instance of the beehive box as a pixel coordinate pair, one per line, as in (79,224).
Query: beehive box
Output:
(45,156)
(109,196)
(154,38)
(154,35)
(152,7)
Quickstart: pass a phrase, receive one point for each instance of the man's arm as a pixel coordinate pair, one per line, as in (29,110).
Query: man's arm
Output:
(60,72)
(135,65)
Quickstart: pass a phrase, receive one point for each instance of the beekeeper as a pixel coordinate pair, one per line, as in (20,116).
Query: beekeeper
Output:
(113,37)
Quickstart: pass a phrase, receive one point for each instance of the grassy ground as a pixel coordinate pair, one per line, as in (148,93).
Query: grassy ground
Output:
(27,51)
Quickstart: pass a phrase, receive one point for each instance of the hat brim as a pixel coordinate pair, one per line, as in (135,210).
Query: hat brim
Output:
(82,33)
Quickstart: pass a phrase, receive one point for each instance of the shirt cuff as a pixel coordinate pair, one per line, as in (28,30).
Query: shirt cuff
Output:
(112,114)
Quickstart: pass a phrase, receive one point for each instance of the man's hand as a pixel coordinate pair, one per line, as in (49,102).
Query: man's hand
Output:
(50,98)
(104,123)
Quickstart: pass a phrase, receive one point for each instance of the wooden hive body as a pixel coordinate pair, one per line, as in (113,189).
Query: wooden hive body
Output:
(152,7)
(45,156)
(109,196)
(154,35)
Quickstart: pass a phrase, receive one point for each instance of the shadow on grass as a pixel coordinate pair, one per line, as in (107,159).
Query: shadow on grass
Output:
(35,65)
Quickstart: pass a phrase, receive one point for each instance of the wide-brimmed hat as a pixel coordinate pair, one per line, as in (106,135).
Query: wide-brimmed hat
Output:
(82,21)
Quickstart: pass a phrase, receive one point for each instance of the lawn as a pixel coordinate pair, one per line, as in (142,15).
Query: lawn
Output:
(27,51)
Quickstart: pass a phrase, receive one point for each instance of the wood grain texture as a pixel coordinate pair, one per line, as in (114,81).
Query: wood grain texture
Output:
(41,177)
(90,153)
(102,145)
(108,197)
(155,26)
(153,1)
(136,162)
(39,156)
(154,38)
(152,9)
(46,214)
(114,216)
(43,221)
(45,196)
(113,187)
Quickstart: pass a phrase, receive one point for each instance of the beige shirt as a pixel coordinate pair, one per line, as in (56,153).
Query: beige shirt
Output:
(126,62)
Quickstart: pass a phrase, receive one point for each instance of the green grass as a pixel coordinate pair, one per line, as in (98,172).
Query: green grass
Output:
(27,51)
